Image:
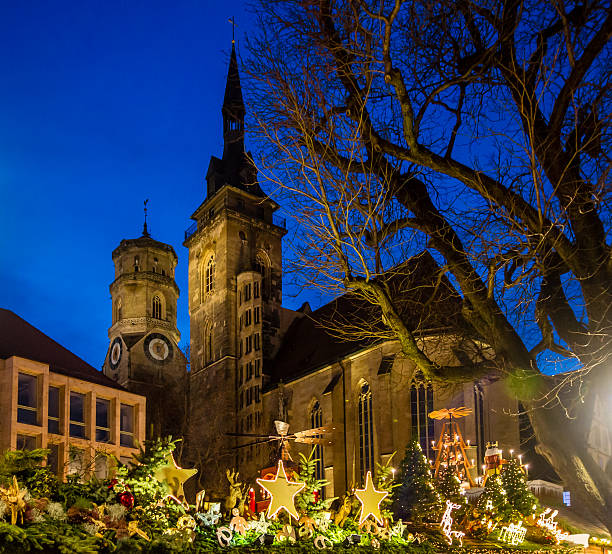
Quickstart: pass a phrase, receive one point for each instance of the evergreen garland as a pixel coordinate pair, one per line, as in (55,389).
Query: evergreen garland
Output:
(514,482)
(417,499)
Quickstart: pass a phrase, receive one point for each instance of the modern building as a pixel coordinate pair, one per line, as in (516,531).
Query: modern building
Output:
(53,399)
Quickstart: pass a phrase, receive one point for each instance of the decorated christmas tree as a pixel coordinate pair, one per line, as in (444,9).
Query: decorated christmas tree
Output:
(309,501)
(493,501)
(514,482)
(416,497)
(449,486)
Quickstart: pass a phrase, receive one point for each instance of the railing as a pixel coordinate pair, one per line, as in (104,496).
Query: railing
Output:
(191,229)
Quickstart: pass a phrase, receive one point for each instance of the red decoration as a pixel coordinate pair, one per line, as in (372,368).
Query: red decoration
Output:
(112,483)
(316,496)
(127,499)
(252,500)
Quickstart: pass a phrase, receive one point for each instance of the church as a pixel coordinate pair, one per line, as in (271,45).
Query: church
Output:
(253,361)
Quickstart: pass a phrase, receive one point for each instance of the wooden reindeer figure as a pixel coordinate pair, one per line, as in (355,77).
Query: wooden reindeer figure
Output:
(235,496)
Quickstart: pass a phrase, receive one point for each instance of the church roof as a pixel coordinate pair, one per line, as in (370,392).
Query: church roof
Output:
(312,343)
(143,242)
(19,338)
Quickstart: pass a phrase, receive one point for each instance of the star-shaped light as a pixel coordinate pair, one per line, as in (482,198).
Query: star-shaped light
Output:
(174,476)
(370,500)
(260,526)
(282,492)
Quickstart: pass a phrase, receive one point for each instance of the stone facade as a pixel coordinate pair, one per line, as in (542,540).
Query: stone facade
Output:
(143,353)
(238,326)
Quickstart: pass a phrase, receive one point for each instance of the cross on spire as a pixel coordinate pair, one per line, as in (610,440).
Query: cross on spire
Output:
(145,232)
(232,20)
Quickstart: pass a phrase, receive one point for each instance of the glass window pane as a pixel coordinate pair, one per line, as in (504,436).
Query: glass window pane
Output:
(26,442)
(54,394)
(54,426)
(53,457)
(77,407)
(102,412)
(27,393)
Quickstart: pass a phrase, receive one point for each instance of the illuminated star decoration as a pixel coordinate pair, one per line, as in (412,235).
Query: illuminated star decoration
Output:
(174,476)
(282,492)
(260,525)
(370,500)
(398,529)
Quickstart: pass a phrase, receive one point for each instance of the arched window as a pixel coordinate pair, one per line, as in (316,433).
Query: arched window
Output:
(209,275)
(316,420)
(263,267)
(157,307)
(118,310)
(421,403)
(366,430)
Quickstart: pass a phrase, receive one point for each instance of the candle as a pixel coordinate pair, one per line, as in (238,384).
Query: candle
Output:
(252,500)
(511,452)
(316,496)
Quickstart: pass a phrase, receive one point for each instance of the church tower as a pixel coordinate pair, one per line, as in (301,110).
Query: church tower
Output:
(143,354)
(235,273)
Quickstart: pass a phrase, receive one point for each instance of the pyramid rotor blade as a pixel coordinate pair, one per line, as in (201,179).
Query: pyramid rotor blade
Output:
(314,440)
(248,435)
(316,431)
(260,441)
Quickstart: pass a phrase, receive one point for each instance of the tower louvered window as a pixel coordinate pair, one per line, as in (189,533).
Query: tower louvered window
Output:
(366,429)
(157,307)
(209,275)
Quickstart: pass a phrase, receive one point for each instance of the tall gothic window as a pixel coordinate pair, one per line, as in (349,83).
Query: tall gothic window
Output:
(157,307)
(479,417)
(209,275)
(316,420)
(421,403)
(366,430)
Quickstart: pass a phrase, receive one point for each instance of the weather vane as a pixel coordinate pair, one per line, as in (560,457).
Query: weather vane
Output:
(145,232)
(232,20)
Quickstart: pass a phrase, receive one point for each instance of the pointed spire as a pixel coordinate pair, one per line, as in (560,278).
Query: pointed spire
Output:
(145,231)
(233,114)
(233,105)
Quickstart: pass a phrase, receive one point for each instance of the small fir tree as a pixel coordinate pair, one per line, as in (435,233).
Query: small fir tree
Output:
(416,496)
(449,486)
(305,500)
(385,482)
(514,482)
(493,501)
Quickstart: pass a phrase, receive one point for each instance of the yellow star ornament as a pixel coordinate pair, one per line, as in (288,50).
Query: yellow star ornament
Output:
(282,492)
(174,476)
(370,500)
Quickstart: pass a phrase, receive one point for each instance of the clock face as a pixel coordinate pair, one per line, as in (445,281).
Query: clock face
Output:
(158,348)
(115,353)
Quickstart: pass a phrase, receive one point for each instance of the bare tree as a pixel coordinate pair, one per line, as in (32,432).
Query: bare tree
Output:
(476,129)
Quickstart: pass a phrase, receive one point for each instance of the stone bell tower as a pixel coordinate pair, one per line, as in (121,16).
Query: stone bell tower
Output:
(143,354)
(235,272)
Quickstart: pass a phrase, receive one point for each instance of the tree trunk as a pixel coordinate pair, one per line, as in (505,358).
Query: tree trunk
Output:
(565,447)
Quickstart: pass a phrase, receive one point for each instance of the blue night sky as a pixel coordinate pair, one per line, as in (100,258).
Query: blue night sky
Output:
(102,105)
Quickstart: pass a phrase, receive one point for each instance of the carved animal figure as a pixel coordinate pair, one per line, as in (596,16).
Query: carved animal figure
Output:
(236,492)
(343,510)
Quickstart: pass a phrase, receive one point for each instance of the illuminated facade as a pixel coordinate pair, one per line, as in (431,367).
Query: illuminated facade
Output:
(53,399)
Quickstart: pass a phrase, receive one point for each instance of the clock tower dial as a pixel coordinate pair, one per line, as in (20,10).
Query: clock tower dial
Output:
(158,348)
(116,350)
